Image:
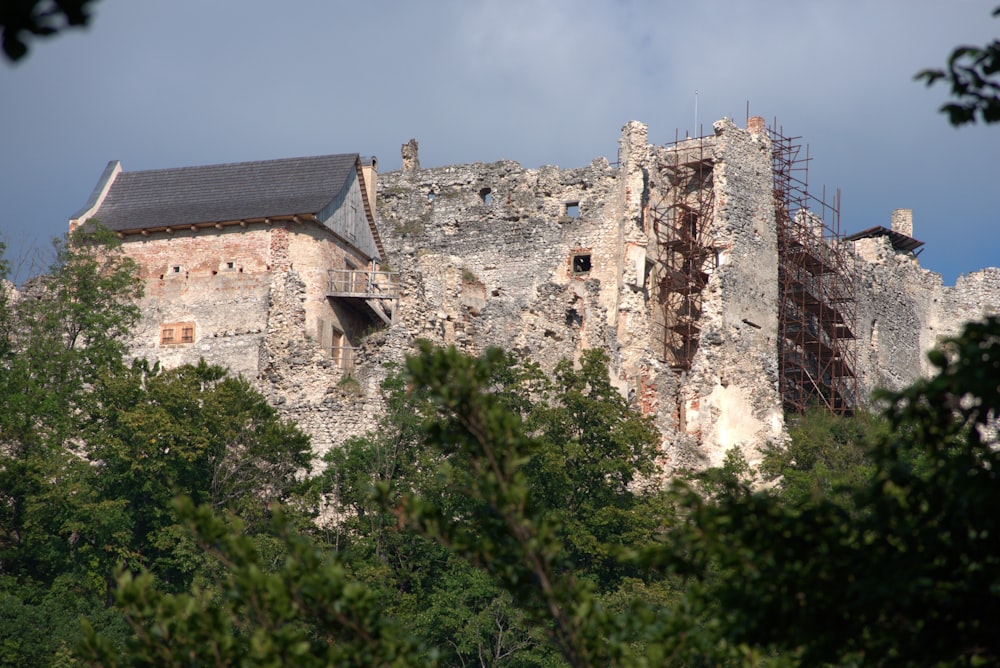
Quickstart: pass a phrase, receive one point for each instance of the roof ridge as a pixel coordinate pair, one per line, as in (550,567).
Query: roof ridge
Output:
(239,163)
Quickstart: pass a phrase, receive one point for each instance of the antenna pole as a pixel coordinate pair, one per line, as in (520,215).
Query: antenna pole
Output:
(696,107)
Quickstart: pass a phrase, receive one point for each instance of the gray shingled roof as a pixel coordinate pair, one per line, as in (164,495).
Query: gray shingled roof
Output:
(218,193)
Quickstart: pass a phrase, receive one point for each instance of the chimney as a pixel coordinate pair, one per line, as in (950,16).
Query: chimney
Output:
(756,125)
(902,221)
(369,169)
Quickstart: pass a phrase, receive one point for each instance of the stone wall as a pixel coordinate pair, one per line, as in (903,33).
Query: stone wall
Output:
(731,397)
(218,281)
(549,262)
(905,310)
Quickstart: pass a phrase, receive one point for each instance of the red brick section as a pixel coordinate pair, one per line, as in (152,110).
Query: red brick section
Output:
(199,253)
(649,398)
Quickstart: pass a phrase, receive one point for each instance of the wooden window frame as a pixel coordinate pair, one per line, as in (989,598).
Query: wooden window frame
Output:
(177,333)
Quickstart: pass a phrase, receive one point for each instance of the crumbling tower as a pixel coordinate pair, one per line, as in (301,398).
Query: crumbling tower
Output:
(817,277)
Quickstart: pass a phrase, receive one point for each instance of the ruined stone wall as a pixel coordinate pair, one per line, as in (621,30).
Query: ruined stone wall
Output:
(728,398)
(736,371)
(486,251)
(975,295)
(312,252)
(491,255)
(897,305)
(905,310)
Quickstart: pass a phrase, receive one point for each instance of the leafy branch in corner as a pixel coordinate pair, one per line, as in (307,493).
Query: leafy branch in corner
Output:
(972,74)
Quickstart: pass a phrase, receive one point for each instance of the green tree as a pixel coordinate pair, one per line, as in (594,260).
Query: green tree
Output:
(153,435)
(525,522)
(826,456)
(973,74)
(55,340)
(304,611)
(66,328)
(466,545)
(93,452)
(905,571)
(592,474)
(56,337)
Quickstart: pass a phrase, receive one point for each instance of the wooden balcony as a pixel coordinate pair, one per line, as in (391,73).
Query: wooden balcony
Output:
(370,292)
(363,284)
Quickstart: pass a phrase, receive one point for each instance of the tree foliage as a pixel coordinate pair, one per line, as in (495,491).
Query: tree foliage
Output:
(973,75)
(826,455)
(304,611)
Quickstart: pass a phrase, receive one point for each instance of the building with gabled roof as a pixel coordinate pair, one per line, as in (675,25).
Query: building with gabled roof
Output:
(242,260)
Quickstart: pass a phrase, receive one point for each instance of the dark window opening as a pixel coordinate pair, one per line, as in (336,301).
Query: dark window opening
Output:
(176,269)
(573,317)
(689,223)
(573,209)
(581,263)
(230,265)
(486,195)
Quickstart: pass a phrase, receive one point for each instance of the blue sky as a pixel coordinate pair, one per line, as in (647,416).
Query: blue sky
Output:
(189,82)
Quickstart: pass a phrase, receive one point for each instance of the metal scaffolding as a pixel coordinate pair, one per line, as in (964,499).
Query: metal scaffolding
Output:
(817,277)
(680,224)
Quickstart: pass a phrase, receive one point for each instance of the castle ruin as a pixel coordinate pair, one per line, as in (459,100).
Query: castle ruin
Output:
(719,285)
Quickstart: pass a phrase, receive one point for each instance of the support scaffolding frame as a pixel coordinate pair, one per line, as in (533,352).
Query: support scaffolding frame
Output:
(818,275)
(680,224)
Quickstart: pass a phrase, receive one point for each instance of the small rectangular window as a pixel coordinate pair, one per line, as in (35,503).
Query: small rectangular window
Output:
(581,263)
(573,209)
(176,333)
